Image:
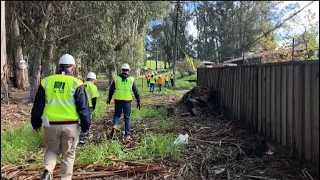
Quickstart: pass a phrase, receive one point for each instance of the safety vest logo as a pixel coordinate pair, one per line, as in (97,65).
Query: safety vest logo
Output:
(124,81)
(59,86)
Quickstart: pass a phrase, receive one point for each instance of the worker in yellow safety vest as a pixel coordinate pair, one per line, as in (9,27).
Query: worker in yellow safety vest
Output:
(166,81)
(92,94)
(60,101)
(171,79)
(122,87)
(153,81)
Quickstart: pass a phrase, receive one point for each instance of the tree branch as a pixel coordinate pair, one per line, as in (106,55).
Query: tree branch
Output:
(26,27)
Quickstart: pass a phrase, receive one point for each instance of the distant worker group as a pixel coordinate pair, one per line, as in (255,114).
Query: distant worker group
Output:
(152,79)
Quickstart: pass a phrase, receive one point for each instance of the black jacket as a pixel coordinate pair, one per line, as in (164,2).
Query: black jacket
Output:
(134,89)
(81,102)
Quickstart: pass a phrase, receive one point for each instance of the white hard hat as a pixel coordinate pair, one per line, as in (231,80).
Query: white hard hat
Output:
(125,66)
(67,59)
(22,64)
(92,75)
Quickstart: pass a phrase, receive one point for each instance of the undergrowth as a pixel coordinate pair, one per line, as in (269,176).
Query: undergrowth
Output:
(150,148)
(147,112)
(20,144)
(101,105)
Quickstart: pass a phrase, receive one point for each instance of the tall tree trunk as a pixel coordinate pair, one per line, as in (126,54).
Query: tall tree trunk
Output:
(39,52)
(21,76)
(48,64)
(4,82)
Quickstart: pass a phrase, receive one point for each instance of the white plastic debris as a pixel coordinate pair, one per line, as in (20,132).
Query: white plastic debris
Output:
(182,139)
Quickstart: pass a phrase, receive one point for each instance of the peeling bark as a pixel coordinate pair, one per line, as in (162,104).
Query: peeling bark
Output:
(4,82)
(42,35)
(21,76)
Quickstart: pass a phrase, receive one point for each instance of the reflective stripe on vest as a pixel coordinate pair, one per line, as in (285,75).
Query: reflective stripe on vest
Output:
(123,89)
(60,104)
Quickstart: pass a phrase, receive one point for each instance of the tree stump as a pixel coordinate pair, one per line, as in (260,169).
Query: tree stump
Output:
(170,111)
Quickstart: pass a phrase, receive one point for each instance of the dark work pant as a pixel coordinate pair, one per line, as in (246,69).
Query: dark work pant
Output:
(166,84)
(151,87)
(126,108)
(159,87)
(172,83)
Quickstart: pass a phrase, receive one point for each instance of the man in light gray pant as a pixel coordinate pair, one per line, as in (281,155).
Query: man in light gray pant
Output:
(60,102)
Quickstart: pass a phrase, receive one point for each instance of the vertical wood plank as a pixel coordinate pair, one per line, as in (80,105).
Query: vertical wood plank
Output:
(235,93)
(283,124)
(272,103)
(246,96)
(263,101)
(251,89)
(315,113)
(278,103)
(254,99)
(268,95)
(296,109)
(259,103)
(307,112)
(289,129)
(239,94)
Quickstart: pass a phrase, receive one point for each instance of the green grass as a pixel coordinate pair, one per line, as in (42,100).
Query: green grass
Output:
(147,112)
(166,125)
(158,146)
(101,76)
(152,64)
(182,85)
(19,144)
(192,77)
(101,105)
(150,148)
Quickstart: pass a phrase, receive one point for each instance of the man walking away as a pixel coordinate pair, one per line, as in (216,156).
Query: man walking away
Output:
(171,78)
(92,95)
(152,83)
(60,101)
(166,81)
(160,81)
(122,87)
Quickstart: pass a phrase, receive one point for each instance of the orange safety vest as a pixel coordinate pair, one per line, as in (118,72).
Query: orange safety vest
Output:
(160,80)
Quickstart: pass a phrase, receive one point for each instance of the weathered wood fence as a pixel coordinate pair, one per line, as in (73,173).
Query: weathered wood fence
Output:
(279,101)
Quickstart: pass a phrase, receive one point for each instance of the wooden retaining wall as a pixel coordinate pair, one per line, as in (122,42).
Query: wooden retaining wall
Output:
(279,101)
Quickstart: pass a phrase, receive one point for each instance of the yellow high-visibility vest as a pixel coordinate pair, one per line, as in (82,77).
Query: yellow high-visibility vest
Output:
(152,80)
(91,91)
(123,89)
(60,103)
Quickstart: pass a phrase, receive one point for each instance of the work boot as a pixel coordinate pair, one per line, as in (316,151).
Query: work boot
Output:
(81,140)
(128,138)
(46,175)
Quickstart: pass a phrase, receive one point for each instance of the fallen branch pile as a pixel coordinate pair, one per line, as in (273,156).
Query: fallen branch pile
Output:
(120,168)
(221,149)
